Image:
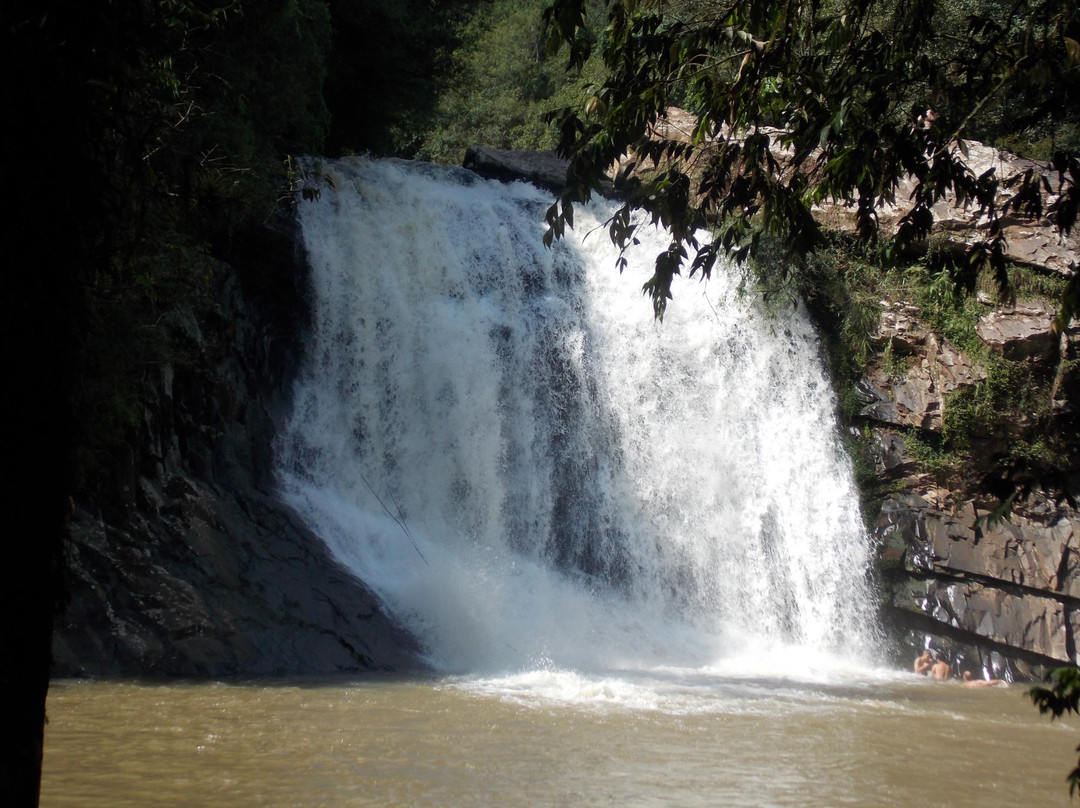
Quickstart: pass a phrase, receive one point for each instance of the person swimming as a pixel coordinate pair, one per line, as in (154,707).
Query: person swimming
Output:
(941,669)
(923,663)
(971,681)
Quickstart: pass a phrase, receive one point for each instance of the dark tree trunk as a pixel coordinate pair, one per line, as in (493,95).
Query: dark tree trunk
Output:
(50,187)
(36,317)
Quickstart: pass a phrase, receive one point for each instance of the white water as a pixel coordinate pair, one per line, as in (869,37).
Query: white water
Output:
(545,485)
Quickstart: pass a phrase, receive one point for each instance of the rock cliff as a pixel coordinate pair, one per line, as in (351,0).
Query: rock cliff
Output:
(194,568)
(189,565)
(1004,593)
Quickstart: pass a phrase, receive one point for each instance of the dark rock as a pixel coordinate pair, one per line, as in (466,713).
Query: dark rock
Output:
(543,168)
(880,405)
(191,566)
(902,521)
(1034,623)
(1013,584)
(888,453)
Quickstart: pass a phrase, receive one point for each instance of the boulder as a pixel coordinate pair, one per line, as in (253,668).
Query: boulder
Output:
(543,168)
(213,585)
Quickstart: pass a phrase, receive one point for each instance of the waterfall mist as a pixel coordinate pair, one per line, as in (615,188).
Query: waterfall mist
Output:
(530,471)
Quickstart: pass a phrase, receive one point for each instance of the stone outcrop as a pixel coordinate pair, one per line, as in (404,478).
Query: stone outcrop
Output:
(187,563)
(1020,332)
(202,583)
(915,396)
(997,595)
(1031,242)
(543,168)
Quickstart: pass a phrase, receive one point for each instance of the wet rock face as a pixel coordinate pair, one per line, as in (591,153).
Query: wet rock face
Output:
(888,453)
(543,168)
(190,566)
(1010,585)
(215,585)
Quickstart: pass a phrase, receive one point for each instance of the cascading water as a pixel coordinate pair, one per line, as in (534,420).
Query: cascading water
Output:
(530,471)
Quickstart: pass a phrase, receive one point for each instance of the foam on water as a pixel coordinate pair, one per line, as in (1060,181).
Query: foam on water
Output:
(541,481)
(689,691)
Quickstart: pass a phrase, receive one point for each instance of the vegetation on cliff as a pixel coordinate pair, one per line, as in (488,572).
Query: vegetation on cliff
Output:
(863,94)
(1007,430)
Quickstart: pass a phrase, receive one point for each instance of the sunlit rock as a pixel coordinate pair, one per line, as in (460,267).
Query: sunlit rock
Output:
(1020,332)
(915,397)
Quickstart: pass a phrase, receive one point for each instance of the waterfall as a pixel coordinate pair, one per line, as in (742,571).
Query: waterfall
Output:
(529,470)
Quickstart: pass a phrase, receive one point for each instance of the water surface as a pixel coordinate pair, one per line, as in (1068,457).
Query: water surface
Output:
(549,738)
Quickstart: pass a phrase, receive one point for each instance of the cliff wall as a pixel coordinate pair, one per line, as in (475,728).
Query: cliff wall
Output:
(185,563)
(1000,585)
(192,567)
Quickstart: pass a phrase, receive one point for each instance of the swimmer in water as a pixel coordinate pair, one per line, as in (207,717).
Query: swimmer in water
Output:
(971,681)
(941,670)
(923,663)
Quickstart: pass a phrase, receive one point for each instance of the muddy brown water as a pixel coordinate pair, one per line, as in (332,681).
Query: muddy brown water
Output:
(551,740)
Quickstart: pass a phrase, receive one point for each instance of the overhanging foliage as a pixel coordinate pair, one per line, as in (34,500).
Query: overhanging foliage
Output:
(795,103)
